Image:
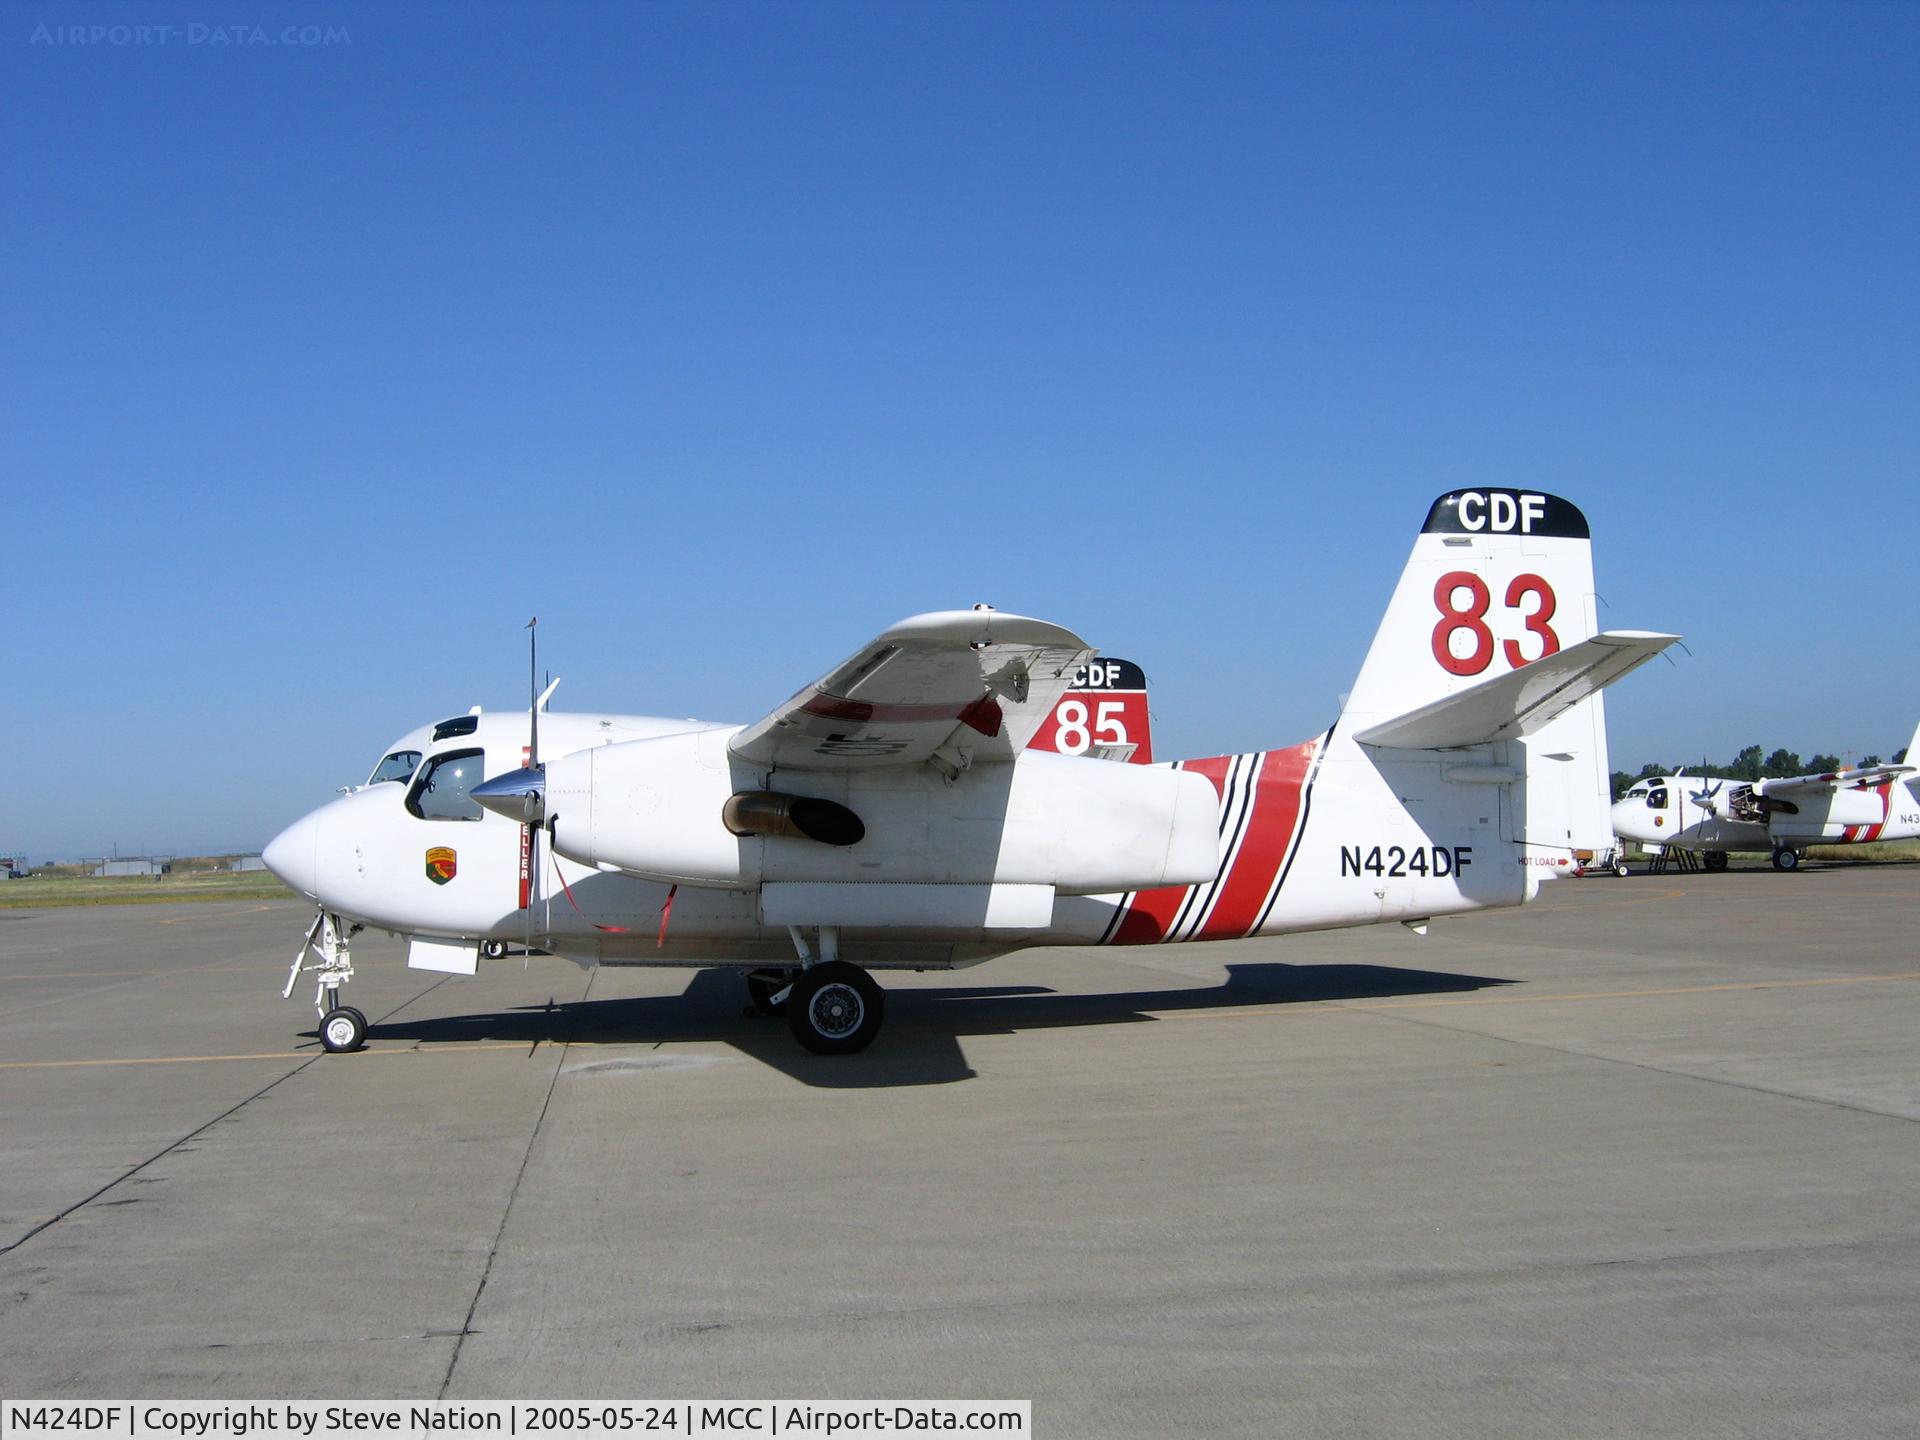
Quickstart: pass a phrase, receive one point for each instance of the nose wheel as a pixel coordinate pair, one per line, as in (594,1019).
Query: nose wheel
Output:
(343,1029)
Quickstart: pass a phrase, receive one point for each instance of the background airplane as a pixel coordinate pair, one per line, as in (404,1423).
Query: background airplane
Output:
(895,815)
(1784,816)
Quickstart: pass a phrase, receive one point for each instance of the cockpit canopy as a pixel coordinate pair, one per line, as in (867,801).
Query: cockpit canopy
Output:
(395,765)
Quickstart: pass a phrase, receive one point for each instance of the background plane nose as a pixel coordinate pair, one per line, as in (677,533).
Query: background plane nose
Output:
(293,855)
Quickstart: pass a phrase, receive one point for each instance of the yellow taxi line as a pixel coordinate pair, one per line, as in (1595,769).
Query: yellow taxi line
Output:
(262,1055)
(1278,1010)
(218,915)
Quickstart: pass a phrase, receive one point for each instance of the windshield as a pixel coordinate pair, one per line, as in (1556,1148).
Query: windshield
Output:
(441,791)
(397,766)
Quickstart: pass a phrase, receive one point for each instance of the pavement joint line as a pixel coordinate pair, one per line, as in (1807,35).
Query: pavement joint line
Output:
(1824,1101)
(189,1137)
(1173,1294)
(1335,1007)
(506,1211)
(155,1158)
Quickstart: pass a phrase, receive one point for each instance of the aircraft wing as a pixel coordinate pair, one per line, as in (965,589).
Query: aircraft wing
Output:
(1836,780)
(1521,701)
(957,687)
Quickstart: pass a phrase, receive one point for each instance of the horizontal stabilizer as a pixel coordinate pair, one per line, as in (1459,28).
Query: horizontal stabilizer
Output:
(1522,701)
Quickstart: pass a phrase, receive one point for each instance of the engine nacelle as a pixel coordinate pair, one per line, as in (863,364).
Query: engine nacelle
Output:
(659,808)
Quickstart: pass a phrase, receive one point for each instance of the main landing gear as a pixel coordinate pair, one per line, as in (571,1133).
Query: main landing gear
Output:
(341,1026)
(832,1007)
(1786,858)
(1716,860)
(762,988)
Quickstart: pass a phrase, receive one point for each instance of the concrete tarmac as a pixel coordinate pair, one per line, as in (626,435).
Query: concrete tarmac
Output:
(1638,1160)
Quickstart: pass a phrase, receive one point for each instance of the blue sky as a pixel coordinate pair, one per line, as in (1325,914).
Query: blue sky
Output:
(721,336)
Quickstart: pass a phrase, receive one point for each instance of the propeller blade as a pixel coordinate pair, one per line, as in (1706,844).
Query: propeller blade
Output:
(533,693)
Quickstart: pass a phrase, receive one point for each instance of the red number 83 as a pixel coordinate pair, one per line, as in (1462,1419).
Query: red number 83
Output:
(1473,620)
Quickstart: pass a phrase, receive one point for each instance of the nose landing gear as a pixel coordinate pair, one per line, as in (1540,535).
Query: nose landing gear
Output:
(342,1027)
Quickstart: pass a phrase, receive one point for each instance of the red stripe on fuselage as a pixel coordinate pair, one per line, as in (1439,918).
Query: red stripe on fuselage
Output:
(1855,834)
(1884,790)
(1276,815)
(1151,912)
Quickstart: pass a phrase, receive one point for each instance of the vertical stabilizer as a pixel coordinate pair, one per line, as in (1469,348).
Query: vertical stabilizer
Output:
(1498,579)
(1103,715)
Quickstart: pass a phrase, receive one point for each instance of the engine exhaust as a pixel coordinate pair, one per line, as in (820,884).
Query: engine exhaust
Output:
(799,817)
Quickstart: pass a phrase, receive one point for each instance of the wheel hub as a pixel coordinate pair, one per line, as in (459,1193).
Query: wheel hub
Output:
(836,1010)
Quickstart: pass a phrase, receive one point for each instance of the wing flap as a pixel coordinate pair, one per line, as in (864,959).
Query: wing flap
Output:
(1522,701)
(963,686)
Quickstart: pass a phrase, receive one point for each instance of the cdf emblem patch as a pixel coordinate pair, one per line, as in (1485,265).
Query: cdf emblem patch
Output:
(442,864)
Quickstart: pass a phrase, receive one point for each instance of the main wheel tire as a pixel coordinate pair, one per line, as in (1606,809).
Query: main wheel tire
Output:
(1786,859)
(343,1029)
(835,1008)
(1716,860)
(1620,869)
(762,986)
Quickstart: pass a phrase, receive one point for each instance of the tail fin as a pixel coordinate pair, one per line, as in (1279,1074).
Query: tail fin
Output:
(1498,582)
(1104,715)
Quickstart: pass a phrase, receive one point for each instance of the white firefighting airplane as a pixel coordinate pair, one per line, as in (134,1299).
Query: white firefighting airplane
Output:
(1843,807)
(893,815)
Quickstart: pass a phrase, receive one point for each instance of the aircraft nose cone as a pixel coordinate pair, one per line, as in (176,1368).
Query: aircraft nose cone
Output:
(293,855)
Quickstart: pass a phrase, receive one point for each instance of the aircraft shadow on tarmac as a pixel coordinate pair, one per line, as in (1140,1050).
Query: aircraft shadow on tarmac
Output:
(920,1044)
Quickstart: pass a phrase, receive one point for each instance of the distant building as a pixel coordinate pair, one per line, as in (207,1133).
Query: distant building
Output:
(132,865)
(246,862)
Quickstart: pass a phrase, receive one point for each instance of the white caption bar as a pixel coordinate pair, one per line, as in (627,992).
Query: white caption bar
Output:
(538,1419)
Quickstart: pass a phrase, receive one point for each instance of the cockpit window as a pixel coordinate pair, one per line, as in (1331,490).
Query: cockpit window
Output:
(400,765)
(459,725)
(441,791)
(1657,798)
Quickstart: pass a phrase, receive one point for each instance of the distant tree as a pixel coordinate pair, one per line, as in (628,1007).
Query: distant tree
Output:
(1746,765)
(1621,781)
(1900,756)
(1781,762)
(1651,769)
(1875,760)
(1825,763)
